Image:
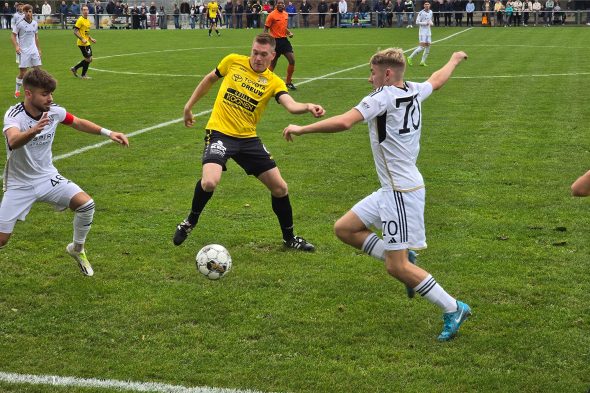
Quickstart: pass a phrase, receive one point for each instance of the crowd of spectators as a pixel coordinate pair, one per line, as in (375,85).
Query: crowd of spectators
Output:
(251,14)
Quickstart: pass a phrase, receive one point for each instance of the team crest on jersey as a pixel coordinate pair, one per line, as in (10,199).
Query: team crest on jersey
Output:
(217,148)
(262,80)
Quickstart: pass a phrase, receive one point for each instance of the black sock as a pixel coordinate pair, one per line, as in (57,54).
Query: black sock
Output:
(79,65)
(85,67)
(284,212)
(209,31)
(200,199)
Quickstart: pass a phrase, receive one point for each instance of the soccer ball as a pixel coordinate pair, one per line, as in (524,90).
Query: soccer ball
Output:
(213,261)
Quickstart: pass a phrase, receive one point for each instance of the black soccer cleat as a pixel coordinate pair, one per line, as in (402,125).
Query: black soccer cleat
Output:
(291,86)
(299,243)
(412,258)
(182,231)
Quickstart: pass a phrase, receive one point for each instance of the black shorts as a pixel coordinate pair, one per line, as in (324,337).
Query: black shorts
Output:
(249,153)
(86,51)
(212,21)
(283,46)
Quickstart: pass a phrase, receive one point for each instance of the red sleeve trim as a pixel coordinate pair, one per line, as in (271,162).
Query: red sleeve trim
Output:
(69,119)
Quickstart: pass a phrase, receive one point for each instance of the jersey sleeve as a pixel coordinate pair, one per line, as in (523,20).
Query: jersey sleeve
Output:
(424,90)
(223,66)
(15,28)
(78,24)
(9,121)
(60,112)
(269,20)
(371,106)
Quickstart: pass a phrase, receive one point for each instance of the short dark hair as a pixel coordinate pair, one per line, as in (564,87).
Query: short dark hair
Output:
(265,38)
(27,7)
(39,79)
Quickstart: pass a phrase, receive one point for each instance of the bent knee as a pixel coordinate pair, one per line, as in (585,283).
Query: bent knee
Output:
(4,239)
(209,185)
(280,190)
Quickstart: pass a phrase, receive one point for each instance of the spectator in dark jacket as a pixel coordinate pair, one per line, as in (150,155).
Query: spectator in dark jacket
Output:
(305,9)
(322,10)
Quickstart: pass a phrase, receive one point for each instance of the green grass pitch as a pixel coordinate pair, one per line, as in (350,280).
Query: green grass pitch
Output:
(501,144)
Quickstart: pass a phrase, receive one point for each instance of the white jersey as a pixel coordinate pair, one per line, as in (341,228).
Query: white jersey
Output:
(25,34)
(17,17)
(394,117)
(32,162)
(423,20)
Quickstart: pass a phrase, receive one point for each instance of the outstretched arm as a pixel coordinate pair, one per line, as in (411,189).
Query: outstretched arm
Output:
(91,128)
(581,187)
(298,108)
(337,123)
(201,89)
(440,77)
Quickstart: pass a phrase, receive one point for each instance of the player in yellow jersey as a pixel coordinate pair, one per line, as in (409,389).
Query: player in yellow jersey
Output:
(248,85)
(212,12)
(81,30)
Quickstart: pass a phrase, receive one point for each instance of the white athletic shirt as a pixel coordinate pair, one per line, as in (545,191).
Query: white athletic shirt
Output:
(394,117)
(17,17)
(25,33)
(423,20)
(32,162)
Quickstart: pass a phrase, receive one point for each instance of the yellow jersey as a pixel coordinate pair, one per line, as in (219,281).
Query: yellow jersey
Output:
(242,97)
(212,9)
(83,26)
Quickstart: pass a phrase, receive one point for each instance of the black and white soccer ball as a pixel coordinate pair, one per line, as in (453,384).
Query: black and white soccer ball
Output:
(213,261)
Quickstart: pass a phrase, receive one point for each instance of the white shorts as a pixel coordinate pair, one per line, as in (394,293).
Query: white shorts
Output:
(17,202)
(425,38)
(29,59)
(400,215)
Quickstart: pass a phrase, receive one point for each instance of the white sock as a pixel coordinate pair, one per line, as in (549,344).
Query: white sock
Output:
(434,293)
(425,54)
(374,246)
(19,83)
(82,222)
(416,51)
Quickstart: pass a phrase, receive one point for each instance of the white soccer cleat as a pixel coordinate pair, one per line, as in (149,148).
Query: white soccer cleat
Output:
(82,260)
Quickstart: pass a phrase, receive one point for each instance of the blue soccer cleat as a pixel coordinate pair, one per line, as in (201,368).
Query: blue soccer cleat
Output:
(412,258)
(453,321)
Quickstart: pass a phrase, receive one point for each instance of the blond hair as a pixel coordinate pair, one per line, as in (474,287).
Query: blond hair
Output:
(390,57)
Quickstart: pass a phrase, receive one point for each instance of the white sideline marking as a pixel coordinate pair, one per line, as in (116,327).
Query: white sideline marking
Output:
(138,132)
(477,77)
(167,123)
(111,384)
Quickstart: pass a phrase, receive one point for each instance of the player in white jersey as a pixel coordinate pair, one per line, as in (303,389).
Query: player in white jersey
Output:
(17,17)
(26,44)
(394,116)
(424,20)
(29,175)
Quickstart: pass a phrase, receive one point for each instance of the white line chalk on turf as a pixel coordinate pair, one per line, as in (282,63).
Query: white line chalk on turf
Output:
(170,122)
(138,132)
(476,77)
(111,384)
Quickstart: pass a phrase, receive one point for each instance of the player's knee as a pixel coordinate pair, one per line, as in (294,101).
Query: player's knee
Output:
(88,60)
(209,185)
(341,231)
(279,190)
(4,239)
